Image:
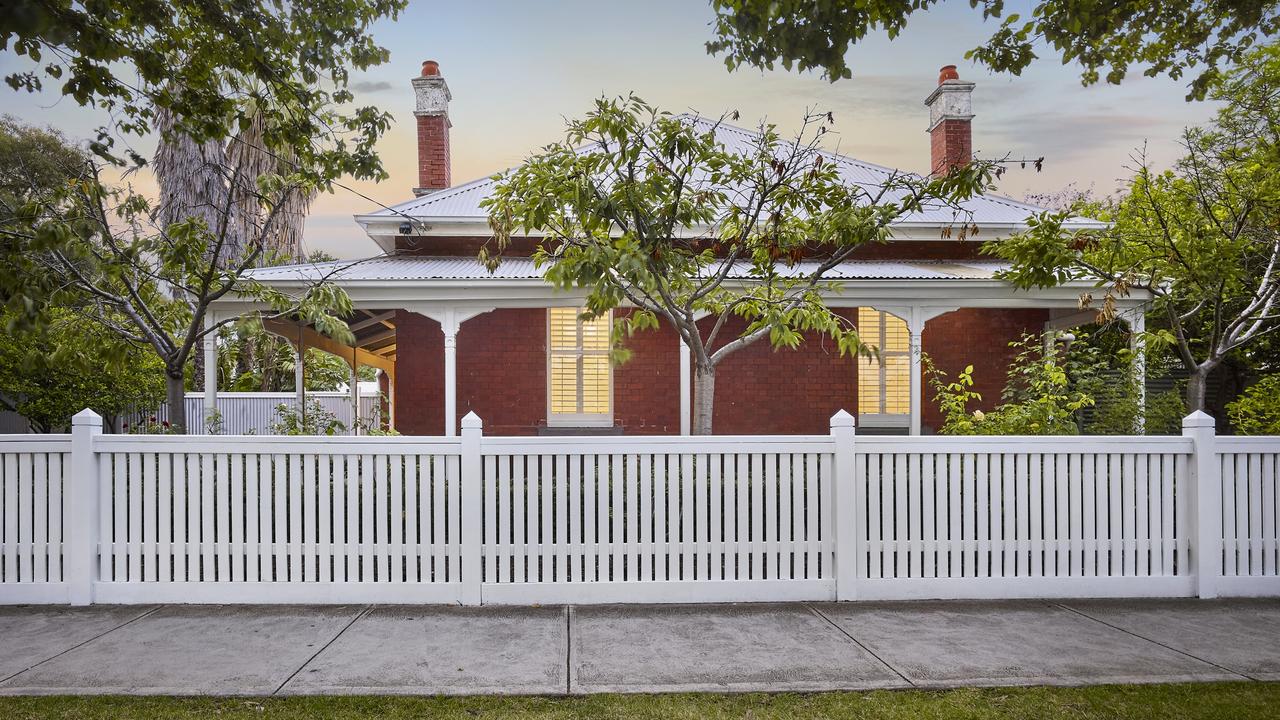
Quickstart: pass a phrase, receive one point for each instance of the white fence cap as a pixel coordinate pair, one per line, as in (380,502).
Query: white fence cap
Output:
(1198,418)
(842,418)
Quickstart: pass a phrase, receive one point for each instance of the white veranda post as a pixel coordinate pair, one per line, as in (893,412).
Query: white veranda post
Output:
(355,393)
(686,381)
(686,410)
(210,347)
(1136,318)
(450,319)
(915,317)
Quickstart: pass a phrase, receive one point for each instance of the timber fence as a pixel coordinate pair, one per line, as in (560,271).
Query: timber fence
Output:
(98,518)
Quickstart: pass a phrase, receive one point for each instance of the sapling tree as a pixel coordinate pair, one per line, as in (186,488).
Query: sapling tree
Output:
(729,245)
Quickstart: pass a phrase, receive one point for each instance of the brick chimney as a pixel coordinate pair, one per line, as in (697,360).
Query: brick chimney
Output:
(950,116)
(432,110)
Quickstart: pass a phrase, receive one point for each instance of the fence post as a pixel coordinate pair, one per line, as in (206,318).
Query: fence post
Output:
(1206,514)
(472,509)
(81,498)
(844,504)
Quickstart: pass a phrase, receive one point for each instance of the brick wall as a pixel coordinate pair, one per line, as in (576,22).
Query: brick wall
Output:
(646,388)
(760,390)
(979,337)
(433,152)
(419,375)
(950,145)
(502,370)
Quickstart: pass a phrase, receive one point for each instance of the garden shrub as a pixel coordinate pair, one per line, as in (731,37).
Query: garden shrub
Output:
(1257,410)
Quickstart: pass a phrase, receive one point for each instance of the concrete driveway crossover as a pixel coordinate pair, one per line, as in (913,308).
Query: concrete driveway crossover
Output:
(265,650)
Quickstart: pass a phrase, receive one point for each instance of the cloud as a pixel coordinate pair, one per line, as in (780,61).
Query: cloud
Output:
(371,86)
(1073,134)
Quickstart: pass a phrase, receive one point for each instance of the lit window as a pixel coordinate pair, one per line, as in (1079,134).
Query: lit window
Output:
(884,383)
(580,387)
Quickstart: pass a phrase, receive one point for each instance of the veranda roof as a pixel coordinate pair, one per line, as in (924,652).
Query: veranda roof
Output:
(423,282)
(416,268)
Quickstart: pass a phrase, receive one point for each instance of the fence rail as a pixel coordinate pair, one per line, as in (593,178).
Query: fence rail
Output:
(134,519)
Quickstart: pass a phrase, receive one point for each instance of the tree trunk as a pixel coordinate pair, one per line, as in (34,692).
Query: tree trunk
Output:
(704,396)
(1197,385)
(176,395)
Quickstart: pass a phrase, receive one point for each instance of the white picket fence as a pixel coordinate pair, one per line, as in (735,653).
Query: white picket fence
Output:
(139,519)
(253,413)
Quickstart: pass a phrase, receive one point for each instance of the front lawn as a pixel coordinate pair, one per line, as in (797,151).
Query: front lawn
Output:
(1227,701)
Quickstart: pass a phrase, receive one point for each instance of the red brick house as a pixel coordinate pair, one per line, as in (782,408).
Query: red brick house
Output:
(451,338)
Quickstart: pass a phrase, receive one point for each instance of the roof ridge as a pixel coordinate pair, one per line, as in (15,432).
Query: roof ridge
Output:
(439,200)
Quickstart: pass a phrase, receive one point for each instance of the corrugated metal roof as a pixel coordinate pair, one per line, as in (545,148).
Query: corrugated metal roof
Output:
(416,268)
(463,201)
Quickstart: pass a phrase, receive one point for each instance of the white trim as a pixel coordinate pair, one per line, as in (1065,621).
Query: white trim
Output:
(884,420)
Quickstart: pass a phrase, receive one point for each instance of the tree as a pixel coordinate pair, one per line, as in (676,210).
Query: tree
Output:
(656,212)
(211,66)
(252,105)
(103,251)
(49,374)
(1202,238)
(1104,38)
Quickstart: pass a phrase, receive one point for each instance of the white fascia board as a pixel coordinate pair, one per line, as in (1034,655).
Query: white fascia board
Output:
(384,229)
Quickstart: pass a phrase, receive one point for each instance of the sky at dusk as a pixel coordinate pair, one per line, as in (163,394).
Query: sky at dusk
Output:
(517,69)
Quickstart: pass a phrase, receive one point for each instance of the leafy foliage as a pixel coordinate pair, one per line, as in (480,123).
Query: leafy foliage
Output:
(206,62)
(51,373)
(1257,411)
(1201,237)
(1037,400)
(106,252)
(1099,364)
(314,419)
(642,207)
(1105,38)
(1087,387)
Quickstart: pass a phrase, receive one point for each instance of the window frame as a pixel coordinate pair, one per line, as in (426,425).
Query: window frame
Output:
(591,420)
(884,419)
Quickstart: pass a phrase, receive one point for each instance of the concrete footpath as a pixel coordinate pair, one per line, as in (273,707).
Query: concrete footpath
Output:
(264,650)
